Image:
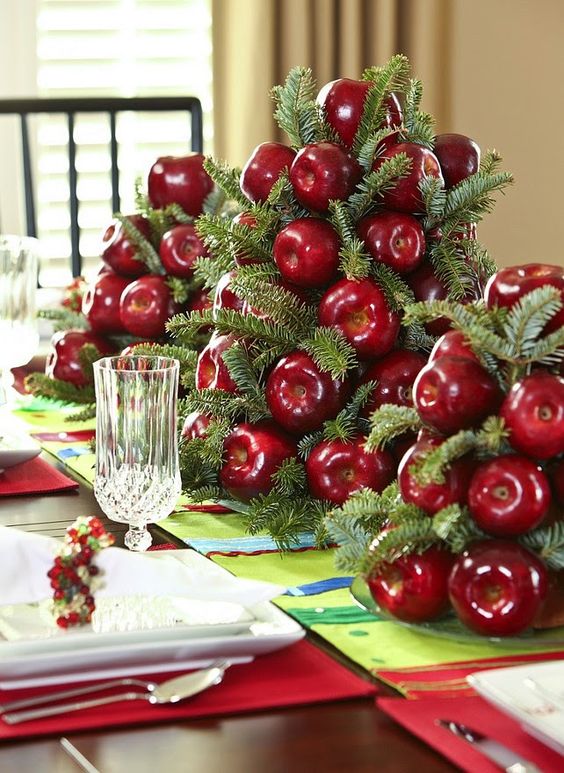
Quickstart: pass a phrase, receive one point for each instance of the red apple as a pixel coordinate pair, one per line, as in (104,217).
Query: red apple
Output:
(264,167)
(179,249)
(336,469)
(195,425)
(497,587)
(508,495)
(300,396)
(200,301)
(306,252)
(211,370)
(427,286)
(395,239)
(321,172)
(452,344)
(434,496)
(405,195)
(454,393)
(414,588)
(508,285)
(179,180)
(119,253)
(533,412)
(225,298)
(252,454)
(63,360)
(101,303)
(394,375)
(146,305)
(459,157)
(359,309)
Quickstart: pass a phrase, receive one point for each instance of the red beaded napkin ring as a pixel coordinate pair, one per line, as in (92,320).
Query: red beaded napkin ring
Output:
(73,577)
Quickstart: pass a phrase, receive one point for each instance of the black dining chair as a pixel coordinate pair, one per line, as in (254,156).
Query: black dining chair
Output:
(71,107)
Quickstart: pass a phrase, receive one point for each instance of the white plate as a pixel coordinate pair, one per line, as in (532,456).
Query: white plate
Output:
(16,448)
(37,650)
(506,689)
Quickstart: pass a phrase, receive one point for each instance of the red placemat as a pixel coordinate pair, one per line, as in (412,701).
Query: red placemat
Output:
(420,718)
(33,477)
(297,675)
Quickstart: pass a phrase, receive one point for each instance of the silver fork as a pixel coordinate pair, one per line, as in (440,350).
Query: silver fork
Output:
(75,692)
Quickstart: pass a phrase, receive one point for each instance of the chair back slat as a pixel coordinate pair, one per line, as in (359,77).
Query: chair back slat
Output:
(30,216)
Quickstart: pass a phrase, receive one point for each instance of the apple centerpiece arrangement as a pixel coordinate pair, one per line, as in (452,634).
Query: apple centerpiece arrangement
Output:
(341,229)
(148,273)
(474,522)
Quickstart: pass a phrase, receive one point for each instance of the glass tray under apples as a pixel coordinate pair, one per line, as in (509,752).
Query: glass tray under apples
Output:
(450,627)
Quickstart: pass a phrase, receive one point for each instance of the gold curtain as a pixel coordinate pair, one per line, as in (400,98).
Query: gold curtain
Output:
(256,42)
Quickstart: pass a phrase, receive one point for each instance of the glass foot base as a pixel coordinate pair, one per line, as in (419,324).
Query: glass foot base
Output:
(138,538)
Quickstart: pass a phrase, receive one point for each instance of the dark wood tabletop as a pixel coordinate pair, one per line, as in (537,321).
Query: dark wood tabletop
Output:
(349,736)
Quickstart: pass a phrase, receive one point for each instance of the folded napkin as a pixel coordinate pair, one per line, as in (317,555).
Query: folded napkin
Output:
(26,558)
(34,477)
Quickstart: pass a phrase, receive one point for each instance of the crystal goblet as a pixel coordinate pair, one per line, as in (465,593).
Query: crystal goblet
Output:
(137,479)
(19,335)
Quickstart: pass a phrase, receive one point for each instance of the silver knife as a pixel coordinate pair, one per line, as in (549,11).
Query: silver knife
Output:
(501,755)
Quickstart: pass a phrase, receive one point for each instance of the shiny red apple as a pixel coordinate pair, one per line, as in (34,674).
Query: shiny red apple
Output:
(179,249)
(394,375)
(101,303)
(118,251)
(211,370)
(300,396)
(252,454)
(63,360)
(336,469)
(453,344)
(179,180)
(497,587)
(459,157)
(321,172)
(306,252)
(146,305)
(225,298)
(359,309)
(395,239)
(195,425)
(265,165)
(405,195)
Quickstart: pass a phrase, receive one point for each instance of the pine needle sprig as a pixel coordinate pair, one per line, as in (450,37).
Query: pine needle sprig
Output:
(181,289)
(410,536)
(176,214)
(41,385)
(419,126)
(369,149)
(308,443)
(285,518)
(330,351)
(186,327)
(85,414)
(383,80)
(228,405)
(389,422)
(548,543)
(87,356)
(490,163)
(353,539)
(355,262)
(228,179)
(295,111)
(205,493)
(376,183)
(452,269)
(238,363)
(282,306)
(434,200)
(215,202)
(527,318)
(64,319)
(398,293)
(290,478)
(146,253)
(456,527)
(471,199)
(432,464)
(345,425)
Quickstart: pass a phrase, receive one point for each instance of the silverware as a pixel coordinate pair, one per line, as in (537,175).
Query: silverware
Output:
(501,755)
(77,756)
(170,691)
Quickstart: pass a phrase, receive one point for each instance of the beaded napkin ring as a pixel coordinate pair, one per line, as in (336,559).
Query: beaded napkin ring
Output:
(73,577)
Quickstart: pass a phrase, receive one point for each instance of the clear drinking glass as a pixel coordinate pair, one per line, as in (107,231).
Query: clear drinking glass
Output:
(137,477)
(19,335)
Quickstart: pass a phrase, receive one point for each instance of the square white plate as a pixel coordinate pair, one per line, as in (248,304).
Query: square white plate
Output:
(36,650)
(507,690)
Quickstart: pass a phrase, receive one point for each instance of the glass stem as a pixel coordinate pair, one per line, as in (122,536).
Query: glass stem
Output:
(138,538)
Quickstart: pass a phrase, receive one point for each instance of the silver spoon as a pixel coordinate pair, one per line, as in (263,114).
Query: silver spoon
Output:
(170,691)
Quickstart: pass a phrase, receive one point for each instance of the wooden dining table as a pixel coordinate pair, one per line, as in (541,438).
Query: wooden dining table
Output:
(350,736)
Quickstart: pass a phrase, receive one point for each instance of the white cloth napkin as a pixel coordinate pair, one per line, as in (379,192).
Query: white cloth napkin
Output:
(26,558)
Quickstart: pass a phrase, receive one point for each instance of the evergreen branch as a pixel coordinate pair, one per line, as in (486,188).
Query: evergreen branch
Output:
(140,198)
(253,327)
(145,252)
(180,288)
(195,471)
(87,413)
(456,527)
(548,543)
(205,493)
(208,269)
(290,478)
(345,425)
(227,405)
(391,421)
(383,80)
(355,263)
(176,214)
(430,466)
(214,202)
(211,450)
(41,385)
(87,356)
(295,102)
(376,183)
(368,150)
(353,540)
(64,319)
(236,358)
(284,518)
(331,351)
(527,318)
(369,508)
(226,178)
(491,438)
(398,293)
(282,199)
(548,350)
(186,327)
(281,305)
(451,268)
(415,337)
(412,102)
(470,199)
(422,130)
(308,443)
(490,162)
(415,535)
(434,198)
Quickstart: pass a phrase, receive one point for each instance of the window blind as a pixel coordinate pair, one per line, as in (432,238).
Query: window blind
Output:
(112,48)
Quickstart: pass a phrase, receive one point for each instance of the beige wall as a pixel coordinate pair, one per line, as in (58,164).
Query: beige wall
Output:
(507,92)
